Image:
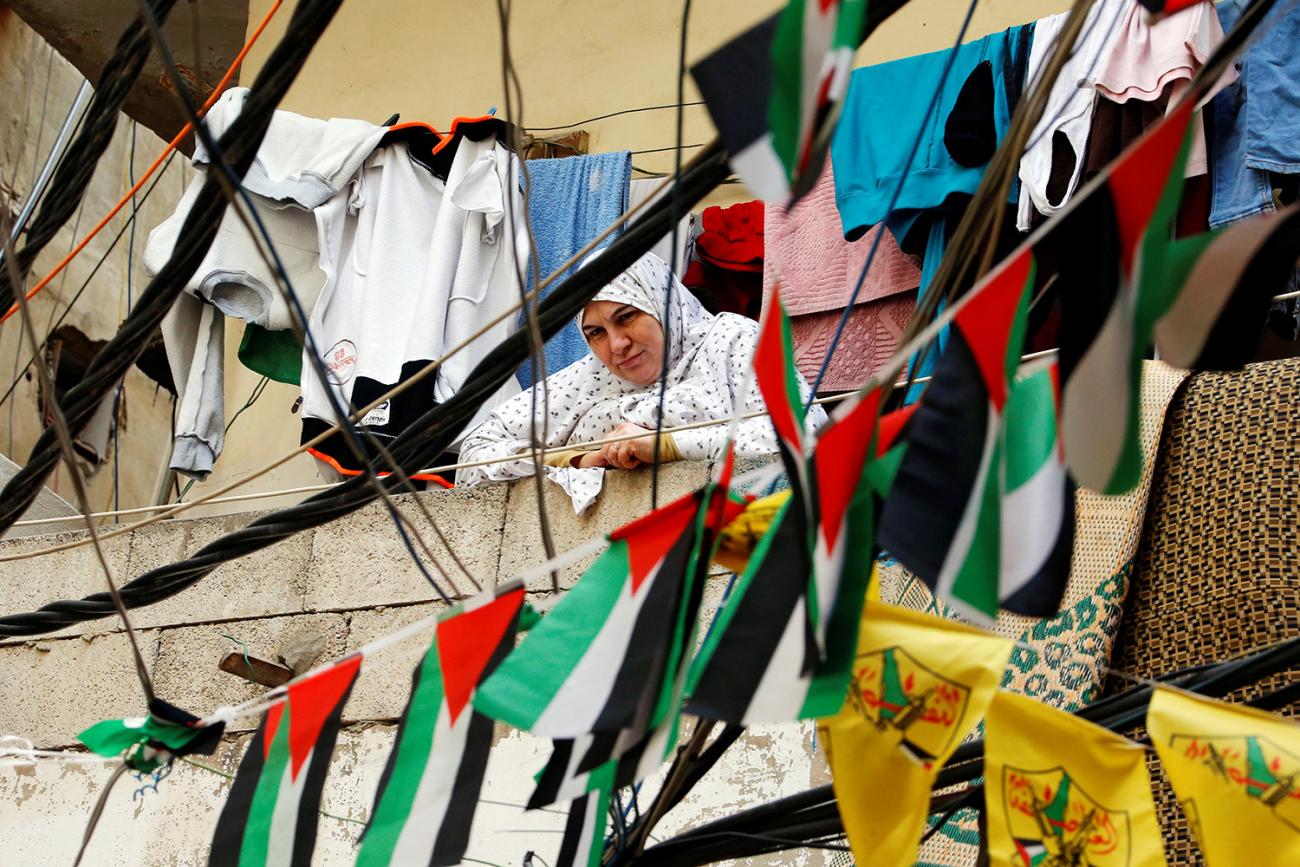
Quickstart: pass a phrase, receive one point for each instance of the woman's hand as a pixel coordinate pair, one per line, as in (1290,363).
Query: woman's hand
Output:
(590,459)
(630,454)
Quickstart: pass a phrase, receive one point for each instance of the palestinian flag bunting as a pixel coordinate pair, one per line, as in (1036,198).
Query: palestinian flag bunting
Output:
(1037,511)
(1112,294)
(942,518)
(1221,284)
(270,817)
(601,661)
(751,668)
(584,830)
(773,92)
(812,56)
(430,785)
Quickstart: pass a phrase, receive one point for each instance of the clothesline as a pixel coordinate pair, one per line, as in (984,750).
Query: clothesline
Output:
(591,445)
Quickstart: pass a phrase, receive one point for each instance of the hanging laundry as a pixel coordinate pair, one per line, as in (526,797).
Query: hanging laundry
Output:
(1052,164)
(1148,58)
(806,254)
(414,264)
(301,163)
(970,119)
(194,340)
(1255,134)
(728,264)
(956,140)
(649,190)
(308,160)
(571,200)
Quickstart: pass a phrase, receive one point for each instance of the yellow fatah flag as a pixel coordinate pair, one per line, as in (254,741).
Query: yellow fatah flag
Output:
(1062,792)
(1236,771)
(919,685)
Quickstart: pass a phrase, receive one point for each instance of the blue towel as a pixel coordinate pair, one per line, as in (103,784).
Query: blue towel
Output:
(572,200)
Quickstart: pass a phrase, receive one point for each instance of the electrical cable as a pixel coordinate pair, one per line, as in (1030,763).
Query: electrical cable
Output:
(676,210)
(426,438)
(587,120)
(167,152)
(85,284)
(72,177)
(240,143)
(537,346)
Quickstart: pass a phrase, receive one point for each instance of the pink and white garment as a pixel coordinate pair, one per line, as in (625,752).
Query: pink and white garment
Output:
(806,252)
(1148,56)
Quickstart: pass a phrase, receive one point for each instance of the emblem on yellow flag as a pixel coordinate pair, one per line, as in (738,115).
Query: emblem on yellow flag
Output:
(1062,792)
(919,685)
(1236,771)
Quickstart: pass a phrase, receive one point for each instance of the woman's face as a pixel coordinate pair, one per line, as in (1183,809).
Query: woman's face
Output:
(629,341)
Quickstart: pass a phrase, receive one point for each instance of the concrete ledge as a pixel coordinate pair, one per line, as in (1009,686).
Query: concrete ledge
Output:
(54,689)
(626,495)
(359,560)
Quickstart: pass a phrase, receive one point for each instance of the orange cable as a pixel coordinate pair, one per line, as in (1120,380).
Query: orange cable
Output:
(171,146)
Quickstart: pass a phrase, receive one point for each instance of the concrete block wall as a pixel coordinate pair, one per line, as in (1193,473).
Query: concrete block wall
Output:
(340,587)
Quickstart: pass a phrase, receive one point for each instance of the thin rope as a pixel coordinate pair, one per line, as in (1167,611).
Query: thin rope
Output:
(591,445)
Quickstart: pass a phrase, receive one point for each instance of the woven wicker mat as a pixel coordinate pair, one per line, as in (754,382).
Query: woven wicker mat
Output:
(1216,574)
(1064,670)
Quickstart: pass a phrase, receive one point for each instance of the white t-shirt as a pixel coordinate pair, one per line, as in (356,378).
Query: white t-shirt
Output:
(412,265)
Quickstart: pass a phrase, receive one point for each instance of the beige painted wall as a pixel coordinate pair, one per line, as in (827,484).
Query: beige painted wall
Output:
(433,61)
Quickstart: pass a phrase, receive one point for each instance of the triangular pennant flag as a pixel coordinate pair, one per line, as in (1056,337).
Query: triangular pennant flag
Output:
(1037,511)
(584,831)
(603,661)
(429,789)
(150,741)
(1061,790)
(774,92)
(271,815)
(812,56)
(1112,295)
(750,668)
(942,518)
(1220,285)
(919,685)
(1236,771)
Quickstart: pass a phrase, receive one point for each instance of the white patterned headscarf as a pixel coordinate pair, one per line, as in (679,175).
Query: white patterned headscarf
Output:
(709,361)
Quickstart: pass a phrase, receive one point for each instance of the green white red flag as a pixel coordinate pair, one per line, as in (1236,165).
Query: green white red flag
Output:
(1113,290)
(751,666)
(1219,287)
(429,790)
(942,518)
(774,92)
(608,661)
(271,815)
